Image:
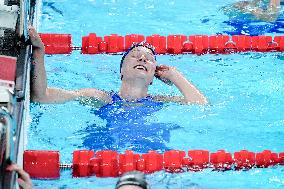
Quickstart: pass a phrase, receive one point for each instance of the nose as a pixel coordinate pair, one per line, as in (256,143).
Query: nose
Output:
(142,58)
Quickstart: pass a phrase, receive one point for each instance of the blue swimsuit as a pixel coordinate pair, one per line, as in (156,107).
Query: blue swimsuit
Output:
(128,127)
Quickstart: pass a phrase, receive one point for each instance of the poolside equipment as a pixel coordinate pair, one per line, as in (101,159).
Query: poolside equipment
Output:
(107,163)
(171,44)
(14,83)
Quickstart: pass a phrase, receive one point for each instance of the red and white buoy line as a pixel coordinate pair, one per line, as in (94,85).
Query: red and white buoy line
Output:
(107,163)
(171,44)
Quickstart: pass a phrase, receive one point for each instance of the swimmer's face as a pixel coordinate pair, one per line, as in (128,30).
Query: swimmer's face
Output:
(139,63)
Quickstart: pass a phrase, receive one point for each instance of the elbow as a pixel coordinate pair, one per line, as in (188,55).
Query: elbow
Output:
(36,99)
(204,102)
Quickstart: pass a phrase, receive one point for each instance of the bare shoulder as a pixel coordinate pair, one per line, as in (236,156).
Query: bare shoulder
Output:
(96,94)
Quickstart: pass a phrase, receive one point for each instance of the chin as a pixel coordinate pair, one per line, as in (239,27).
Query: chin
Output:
(141,74)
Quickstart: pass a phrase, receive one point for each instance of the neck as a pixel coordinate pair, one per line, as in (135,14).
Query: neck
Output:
(133,90)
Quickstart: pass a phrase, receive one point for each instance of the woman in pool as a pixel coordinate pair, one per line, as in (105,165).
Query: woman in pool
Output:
(138,68)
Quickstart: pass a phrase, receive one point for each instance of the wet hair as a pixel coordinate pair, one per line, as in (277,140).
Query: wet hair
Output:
(141,44)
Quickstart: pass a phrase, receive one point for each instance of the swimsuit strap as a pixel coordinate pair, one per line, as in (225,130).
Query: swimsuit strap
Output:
(115,97)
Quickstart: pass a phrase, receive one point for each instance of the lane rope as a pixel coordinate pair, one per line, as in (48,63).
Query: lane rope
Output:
(107,163)
(171,44)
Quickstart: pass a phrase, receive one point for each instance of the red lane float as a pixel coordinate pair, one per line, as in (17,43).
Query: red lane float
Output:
(281,158)
(198,160)
(171,44)
(107,163)
(173,161)
(90,44)
(150,162)
(114,44)
(244,159)
(221,160)
(81,162)
(266,159)
(159,42)
(133,38)
(242,43)
(57,43)
(217,44)
(128,161)
(42,164)
(175,43)
(279,40)
(200,44)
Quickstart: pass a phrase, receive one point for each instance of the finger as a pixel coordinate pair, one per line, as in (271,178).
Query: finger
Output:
(159,73)
(32,33)
(158,68)
(13,167)
(24,175)
(30,27)
(25,185)
(22,183)
(9,168)
(163,66)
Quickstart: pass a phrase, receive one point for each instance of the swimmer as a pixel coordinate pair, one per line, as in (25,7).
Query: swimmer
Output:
(260,9)
(138,68)
(132,180)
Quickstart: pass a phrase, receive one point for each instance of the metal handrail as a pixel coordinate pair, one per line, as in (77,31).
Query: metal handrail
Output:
(8,131)
(8,122)
(12,122)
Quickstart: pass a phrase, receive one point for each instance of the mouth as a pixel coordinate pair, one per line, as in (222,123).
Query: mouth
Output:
(140,67)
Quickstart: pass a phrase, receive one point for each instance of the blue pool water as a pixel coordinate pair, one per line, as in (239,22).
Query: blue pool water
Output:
(245,92)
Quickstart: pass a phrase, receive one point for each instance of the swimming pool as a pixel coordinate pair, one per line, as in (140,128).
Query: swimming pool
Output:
(245,91)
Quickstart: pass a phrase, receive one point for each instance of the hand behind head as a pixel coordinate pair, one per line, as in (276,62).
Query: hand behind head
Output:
(160,69)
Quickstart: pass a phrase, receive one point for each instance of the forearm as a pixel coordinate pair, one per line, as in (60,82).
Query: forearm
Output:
(190,92)
(38,74)
(56,95)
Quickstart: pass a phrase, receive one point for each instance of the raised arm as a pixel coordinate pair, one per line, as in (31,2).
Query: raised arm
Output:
(190,93)
(40,92)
